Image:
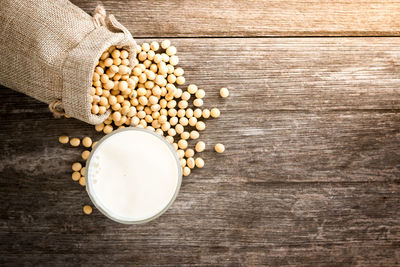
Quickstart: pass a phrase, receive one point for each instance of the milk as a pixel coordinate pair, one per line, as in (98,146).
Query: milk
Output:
(133,175)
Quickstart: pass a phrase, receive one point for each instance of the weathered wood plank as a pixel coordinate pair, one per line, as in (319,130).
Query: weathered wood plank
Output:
(226,222)
(310,175)
(313,107)
(301,74)
(284,147)
(256,18)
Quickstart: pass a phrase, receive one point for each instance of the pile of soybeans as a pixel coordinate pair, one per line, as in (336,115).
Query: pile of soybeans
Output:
(148,96)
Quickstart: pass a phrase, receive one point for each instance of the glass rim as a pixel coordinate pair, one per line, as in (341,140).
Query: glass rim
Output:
(104,211)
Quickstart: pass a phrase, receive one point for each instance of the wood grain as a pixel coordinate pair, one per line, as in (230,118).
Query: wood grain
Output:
(256,18)
(311,174)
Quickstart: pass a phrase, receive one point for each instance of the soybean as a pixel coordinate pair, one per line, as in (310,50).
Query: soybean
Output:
(87,209)
(63,139)
(75,141)
(219,148)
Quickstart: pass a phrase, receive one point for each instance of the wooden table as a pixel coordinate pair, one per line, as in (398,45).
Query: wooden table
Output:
(311,174)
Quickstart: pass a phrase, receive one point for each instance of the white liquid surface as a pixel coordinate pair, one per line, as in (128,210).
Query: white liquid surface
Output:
(133,175)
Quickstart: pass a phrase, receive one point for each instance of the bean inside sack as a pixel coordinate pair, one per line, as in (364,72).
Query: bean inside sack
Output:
(148,96)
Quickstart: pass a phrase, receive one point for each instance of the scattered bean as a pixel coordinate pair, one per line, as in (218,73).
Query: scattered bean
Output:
(190,163)
(215,112)
(87,141)
(75,141)
(76,166)
(87,209)
(199,163)
(63,139)
(189,153)
(85,154)
(192,89)
(224,92)
(219,148)
(200,146)
(186,171)
(76,176)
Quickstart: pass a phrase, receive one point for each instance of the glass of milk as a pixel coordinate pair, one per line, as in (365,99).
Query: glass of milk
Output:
(133,175)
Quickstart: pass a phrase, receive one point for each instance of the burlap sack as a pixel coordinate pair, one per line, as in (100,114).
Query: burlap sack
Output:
(49,49)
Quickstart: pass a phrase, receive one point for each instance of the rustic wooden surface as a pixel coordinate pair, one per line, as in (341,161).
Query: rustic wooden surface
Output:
(193,18)
(311,174)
